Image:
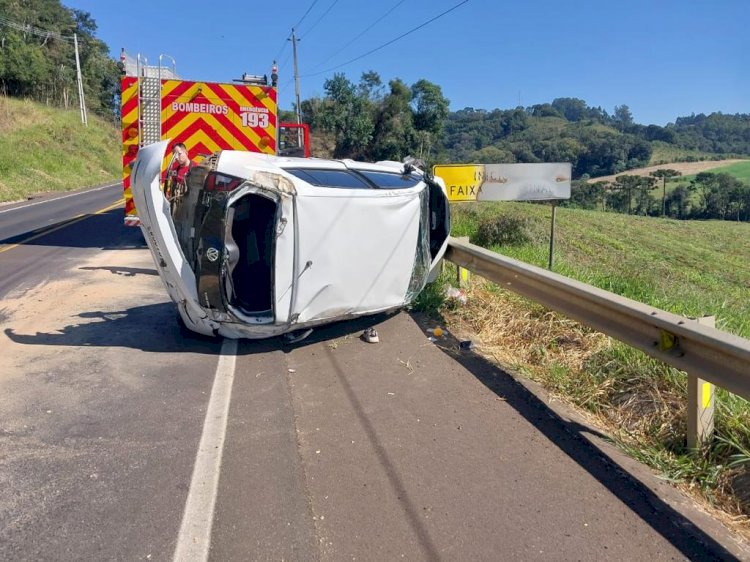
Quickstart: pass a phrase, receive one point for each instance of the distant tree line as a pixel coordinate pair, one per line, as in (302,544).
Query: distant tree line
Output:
(707,196)
(595,142)
(42,67)
(371,122)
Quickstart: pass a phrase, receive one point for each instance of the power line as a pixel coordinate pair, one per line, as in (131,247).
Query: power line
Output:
(286,60)
(283,46)
(386,44)
(286,39)
(320,18)
(26,28)
(296,26)
(377,21)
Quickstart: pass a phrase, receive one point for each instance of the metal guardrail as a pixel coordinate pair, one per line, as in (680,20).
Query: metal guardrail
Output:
(702,351)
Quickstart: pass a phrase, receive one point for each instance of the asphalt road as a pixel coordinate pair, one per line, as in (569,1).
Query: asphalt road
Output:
(123,438)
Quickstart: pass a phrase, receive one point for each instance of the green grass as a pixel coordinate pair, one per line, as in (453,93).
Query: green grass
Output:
(740,170)
(664,153)
(692,268)
(48,149)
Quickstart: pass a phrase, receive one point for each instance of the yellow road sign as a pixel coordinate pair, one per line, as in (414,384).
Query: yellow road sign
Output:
(463,182)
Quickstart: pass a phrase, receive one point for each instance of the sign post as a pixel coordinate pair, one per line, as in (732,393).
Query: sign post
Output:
(552,237)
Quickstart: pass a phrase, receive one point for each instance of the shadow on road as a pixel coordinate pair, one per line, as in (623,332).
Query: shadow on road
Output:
(124,271)
(569,437)
(105,231)
(155,328)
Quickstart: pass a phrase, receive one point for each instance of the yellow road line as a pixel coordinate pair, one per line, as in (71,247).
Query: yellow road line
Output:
(77,218)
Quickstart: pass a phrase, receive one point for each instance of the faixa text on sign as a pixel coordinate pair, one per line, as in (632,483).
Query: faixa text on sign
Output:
(506,182)
(462,181)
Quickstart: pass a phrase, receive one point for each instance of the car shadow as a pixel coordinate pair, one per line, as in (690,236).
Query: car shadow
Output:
(124,271)
(155,328)
(569,436)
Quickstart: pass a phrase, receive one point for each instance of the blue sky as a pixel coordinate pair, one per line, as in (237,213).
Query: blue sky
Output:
(663,59)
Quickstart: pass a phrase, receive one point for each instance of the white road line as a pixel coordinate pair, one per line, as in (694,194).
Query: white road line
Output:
(58,198)
(194,539)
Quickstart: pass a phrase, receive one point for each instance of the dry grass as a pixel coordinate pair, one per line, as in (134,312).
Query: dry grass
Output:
(518,332)
(18,114)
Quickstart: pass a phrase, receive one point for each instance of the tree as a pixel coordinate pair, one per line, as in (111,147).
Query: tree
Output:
(430,109)
(370,86)
(348,116)
(678,202)
(717,193)
(585,195)
(641,185)
(573,109)
(664,174)
(394,136)
(544,110)
(623,116)
(492,155)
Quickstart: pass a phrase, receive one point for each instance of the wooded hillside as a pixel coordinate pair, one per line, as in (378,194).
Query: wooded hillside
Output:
(37,56)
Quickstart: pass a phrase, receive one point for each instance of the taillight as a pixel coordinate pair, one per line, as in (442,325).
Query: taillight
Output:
(220,182)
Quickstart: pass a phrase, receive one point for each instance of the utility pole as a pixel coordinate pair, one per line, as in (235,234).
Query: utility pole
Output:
(296,75)
(296,87)
(81,102)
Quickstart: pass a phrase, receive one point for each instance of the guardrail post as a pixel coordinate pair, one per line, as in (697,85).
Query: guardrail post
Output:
(552,237)
(701,404)
(462,275)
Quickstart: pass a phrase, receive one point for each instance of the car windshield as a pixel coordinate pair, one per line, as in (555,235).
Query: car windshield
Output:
(330,178)
(359,179)
(386,180)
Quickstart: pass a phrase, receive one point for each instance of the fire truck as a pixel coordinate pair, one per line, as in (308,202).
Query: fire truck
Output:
(156,104)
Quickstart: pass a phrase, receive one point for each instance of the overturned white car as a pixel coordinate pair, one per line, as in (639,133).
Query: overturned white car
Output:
(261,245)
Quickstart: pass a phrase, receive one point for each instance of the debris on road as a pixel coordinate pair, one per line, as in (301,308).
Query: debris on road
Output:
(370,335)
(466,345)
(456,294)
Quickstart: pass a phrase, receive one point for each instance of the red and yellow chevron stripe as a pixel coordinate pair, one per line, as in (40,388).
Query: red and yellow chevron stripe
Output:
(129,120)
(207,116)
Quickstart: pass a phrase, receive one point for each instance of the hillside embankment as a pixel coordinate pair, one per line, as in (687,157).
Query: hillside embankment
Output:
(45,149)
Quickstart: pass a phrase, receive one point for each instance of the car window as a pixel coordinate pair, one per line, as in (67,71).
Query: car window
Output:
(386,180)
(330,178)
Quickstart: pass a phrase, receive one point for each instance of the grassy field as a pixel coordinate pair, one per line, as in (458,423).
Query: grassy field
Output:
(48,149)
(687,267)
(740,170)
(693,268)
(663,153)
